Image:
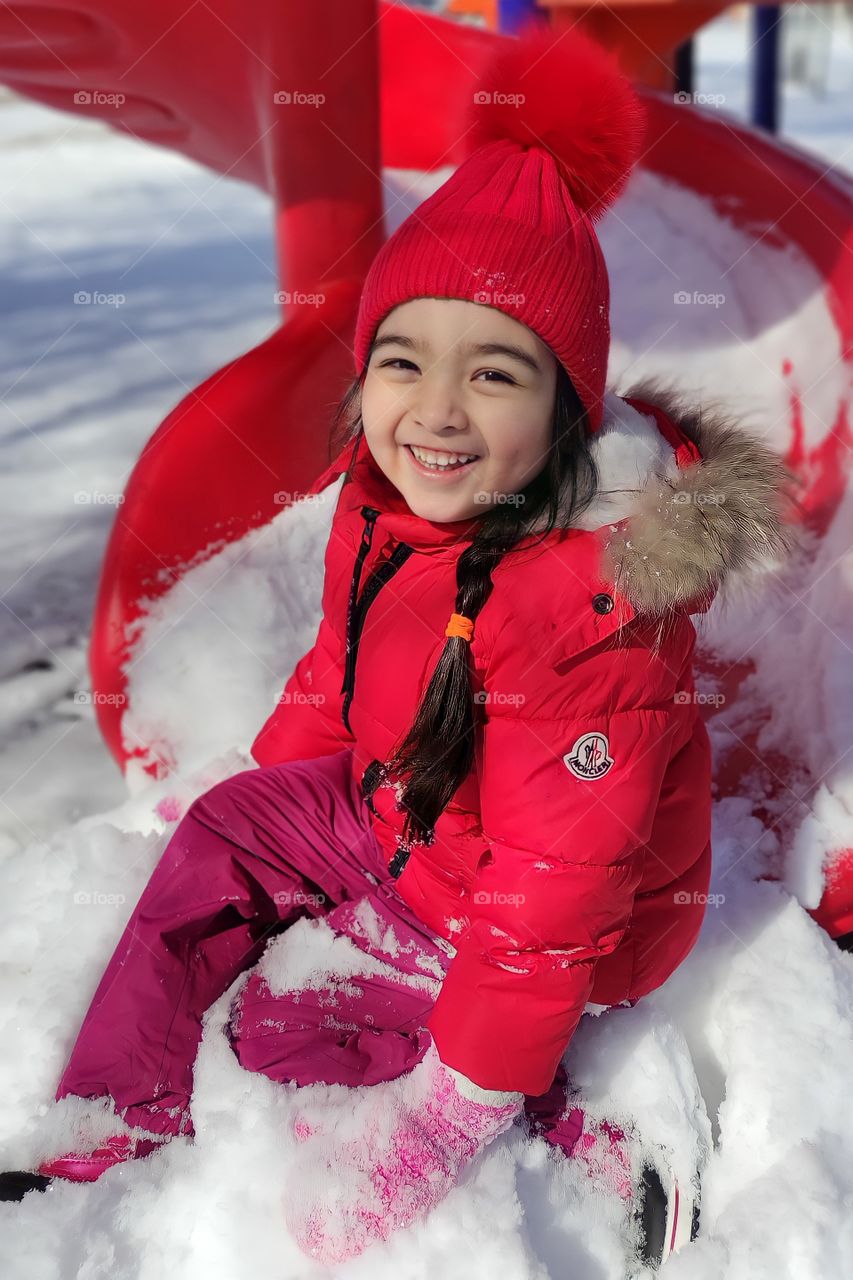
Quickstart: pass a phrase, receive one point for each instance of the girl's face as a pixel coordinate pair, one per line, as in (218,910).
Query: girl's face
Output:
(463,386)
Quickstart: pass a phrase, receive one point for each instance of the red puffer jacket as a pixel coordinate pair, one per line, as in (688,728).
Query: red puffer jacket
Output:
(573,863)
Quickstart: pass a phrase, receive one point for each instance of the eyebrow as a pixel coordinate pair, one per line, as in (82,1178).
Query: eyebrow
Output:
(469,348)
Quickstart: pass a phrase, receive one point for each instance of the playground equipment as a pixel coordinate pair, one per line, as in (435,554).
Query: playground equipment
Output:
(393,81)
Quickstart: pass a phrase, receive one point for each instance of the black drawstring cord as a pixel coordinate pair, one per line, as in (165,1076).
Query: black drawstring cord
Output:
(357,608)
(369,514)
(373,777)
(370,780)
(398,862)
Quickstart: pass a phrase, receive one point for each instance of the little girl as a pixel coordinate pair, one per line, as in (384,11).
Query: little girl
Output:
(495,740)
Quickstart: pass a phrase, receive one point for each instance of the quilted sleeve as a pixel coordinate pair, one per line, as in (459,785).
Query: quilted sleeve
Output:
(568,800)
(307,721)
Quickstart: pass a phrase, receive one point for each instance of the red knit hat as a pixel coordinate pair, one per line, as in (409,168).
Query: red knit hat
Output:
(555,129)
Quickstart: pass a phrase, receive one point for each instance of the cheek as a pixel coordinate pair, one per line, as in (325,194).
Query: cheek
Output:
(369,401)
(379,408)
(517,437)
(541,432)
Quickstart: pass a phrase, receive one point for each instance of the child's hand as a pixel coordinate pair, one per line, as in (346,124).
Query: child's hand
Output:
(397,1154)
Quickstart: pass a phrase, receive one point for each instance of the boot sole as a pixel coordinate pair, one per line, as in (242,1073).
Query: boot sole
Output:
(666,1222)
(14,1186)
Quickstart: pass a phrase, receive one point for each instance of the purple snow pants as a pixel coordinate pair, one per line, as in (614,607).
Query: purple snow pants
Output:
(252,855)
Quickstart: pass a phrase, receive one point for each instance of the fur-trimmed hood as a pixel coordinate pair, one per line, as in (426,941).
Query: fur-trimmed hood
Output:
(673,533)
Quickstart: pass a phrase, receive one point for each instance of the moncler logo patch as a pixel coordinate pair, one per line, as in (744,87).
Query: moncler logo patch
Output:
(589,757)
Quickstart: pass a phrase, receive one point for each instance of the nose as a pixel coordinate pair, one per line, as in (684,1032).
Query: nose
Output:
(436,406)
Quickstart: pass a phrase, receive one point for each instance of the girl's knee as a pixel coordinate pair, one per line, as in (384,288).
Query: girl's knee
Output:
(224,800)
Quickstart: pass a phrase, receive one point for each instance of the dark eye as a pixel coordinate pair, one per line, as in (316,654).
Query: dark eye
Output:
(389,364)
(496,373)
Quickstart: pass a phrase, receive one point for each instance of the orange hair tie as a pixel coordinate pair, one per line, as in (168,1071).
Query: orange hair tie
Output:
(459,625)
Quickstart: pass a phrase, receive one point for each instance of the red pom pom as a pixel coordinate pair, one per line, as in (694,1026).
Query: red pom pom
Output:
(565,93)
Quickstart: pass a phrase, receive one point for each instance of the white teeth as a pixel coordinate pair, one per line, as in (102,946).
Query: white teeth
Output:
(430,458)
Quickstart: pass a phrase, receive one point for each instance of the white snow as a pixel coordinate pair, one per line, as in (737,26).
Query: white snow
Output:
(746,1050)
(311,956)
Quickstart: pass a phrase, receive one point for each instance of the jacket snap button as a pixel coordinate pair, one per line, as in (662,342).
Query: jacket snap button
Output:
(602,603)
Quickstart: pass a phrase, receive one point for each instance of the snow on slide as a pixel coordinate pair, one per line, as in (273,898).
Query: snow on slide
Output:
(749,1044)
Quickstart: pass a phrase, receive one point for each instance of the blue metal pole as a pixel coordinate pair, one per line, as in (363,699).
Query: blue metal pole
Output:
(765,67)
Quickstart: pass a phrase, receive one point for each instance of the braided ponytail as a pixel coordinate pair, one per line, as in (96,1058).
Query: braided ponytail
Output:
(437,754)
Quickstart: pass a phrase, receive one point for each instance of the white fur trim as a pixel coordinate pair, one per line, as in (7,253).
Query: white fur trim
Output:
(628,449)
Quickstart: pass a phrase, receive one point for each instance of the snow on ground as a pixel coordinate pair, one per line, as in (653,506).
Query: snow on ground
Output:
(761,1011)
(178,265)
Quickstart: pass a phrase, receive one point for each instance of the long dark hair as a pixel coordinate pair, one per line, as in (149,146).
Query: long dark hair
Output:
(438,752)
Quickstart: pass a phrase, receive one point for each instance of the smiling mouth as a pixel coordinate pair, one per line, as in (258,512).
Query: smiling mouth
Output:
(440,460)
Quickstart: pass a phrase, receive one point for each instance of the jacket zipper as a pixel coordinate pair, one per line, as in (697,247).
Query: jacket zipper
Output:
(357,608)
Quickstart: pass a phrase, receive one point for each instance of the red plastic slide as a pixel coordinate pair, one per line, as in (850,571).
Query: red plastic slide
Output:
(237,87)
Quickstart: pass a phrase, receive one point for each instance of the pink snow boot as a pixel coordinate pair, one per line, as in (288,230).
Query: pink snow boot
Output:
(88,1166)
(665,1211)
(397,1151)
(602,1147)
(81,1166)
